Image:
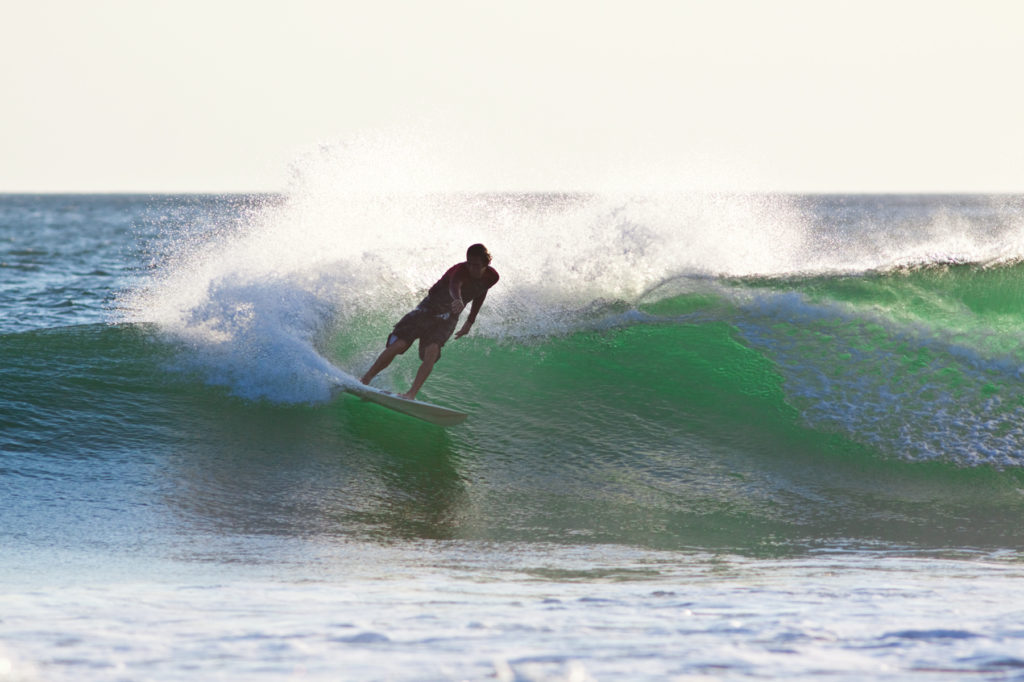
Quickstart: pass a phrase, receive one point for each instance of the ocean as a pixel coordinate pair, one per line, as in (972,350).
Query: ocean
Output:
(711,437)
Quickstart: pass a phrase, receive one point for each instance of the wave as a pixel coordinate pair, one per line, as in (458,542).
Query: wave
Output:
(661,430)
(920,365)
(666,370)
(891,322)
(662,370)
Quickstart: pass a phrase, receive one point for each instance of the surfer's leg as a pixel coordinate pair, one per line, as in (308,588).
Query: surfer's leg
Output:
(396,348)
(430,354)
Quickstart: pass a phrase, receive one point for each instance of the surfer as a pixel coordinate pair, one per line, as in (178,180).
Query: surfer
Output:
(433,321)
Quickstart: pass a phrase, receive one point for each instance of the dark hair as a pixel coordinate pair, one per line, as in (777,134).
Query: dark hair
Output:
(479,251)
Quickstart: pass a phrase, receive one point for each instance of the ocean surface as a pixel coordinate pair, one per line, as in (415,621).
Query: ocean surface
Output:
(711,437)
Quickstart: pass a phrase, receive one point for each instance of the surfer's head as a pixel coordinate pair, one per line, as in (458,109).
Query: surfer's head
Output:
(478,252)
(477,260)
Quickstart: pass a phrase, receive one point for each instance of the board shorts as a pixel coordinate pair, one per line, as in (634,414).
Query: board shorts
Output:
(428,327)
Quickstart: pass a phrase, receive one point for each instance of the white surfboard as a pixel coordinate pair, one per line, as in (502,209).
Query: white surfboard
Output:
(435,414)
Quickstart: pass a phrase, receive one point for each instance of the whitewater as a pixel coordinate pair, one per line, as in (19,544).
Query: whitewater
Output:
(712,436)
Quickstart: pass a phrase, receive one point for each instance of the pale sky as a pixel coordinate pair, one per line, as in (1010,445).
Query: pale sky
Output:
(783,95)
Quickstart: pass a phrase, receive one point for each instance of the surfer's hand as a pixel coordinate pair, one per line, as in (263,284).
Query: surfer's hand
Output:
(465,330)
(457,306)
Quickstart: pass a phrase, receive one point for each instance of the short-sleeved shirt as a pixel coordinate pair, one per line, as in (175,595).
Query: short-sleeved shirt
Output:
(457,282)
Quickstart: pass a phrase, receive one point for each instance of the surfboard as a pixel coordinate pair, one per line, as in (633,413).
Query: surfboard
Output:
(435,414)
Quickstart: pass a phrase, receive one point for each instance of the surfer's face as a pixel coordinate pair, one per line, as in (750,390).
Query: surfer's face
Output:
(476,267)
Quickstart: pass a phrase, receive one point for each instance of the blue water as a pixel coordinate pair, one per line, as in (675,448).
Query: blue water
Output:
(711,437)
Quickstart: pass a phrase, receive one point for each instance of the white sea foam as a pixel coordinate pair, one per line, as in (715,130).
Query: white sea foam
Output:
(445,611)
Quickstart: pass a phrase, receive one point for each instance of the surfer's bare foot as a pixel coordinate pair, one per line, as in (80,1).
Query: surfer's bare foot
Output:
(408,395)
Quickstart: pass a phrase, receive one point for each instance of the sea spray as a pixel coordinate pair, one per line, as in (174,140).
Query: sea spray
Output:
(361,234)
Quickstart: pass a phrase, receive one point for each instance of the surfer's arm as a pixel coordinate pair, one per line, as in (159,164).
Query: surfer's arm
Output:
(455,289)
(478,303)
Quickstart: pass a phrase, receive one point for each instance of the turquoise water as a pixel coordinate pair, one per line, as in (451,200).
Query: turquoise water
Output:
(714,437)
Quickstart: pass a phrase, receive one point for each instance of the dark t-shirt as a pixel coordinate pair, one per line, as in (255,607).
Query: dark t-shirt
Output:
(458,283)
